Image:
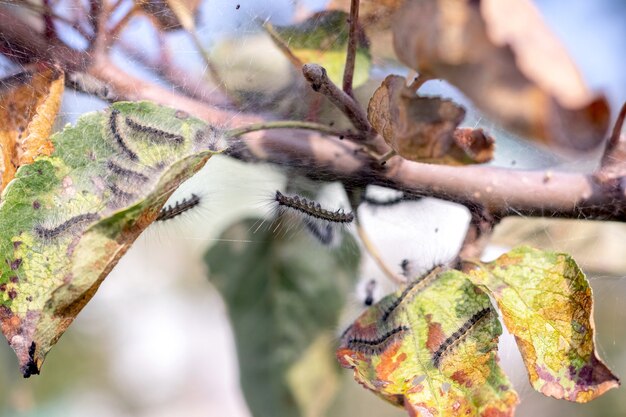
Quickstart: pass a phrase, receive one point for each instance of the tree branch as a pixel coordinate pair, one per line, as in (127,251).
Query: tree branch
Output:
(502,192)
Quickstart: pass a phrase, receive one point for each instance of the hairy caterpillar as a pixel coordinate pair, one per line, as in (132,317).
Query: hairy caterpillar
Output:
(321,223)
(118,137)
(155,135)
(378,345)
(413,288)
(169,212)
(457,336)
(49,233)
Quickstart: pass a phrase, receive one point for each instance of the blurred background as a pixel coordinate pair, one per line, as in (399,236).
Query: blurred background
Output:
(157,339)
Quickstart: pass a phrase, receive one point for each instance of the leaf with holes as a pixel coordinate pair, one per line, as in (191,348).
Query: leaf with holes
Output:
(322,39)
(67,218)
(546,302)
(431,347)
(29,102)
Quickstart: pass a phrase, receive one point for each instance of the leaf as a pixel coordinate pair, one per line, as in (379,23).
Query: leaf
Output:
(29,103)
(546,302)
(66,219)
(172,14)
(431,348)
(425,128)
(283,295)
(521,78)
(323,39)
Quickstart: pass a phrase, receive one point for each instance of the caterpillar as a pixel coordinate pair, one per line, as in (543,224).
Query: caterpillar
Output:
(311,208)
(378,345)
(46,233)
(126,173)
(179,208)
(155,135)
(118,137)
(318,221)
(457,336)
(414,287)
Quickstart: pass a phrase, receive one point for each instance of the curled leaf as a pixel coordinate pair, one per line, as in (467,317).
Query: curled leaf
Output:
(546,302)
(521,78)
(425,128)
(431,348)
(29,103)
(67,218)
(323,39)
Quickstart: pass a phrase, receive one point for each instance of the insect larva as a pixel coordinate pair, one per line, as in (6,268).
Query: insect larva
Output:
(312,209)
(378,345)
(369,292)
(53,232)
(391,201)
(457,336)
(118,137)
(416,286)
(155,135)
(179,208)
(119,193)
(126,173)
(324,233)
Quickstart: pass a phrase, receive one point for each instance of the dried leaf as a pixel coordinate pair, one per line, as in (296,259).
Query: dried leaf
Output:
(521,78)
(172,14)
(546,302)
(424,128)
(29,103)
(432,349)
(323,39)
(67,218)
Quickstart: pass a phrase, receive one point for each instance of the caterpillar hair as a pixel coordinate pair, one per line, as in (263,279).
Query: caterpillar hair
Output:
(457,336)
(50,233)
(169,212)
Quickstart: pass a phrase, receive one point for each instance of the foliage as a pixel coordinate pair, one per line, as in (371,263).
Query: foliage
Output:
(73,202)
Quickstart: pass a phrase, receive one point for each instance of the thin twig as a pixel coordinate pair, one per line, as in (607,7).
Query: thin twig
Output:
(284,48)
(348,71)
(50,30)
(355,196)
(285,124)
(317,77)
(114,32)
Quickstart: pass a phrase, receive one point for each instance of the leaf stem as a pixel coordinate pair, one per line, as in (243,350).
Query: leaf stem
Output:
(286,124)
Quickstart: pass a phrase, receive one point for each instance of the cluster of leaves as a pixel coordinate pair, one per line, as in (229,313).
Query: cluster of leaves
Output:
(74,202)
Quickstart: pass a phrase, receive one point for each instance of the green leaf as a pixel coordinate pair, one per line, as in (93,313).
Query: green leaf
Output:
(431,348)
(67,218)
(323,39)
(284,295)
(546,302)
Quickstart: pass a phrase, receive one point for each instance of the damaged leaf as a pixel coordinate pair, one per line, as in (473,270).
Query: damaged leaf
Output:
(284,296)
(425,128)
(521,78)
(546,302)
(323,39)
(29,103)
(431,348)
(67,218)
